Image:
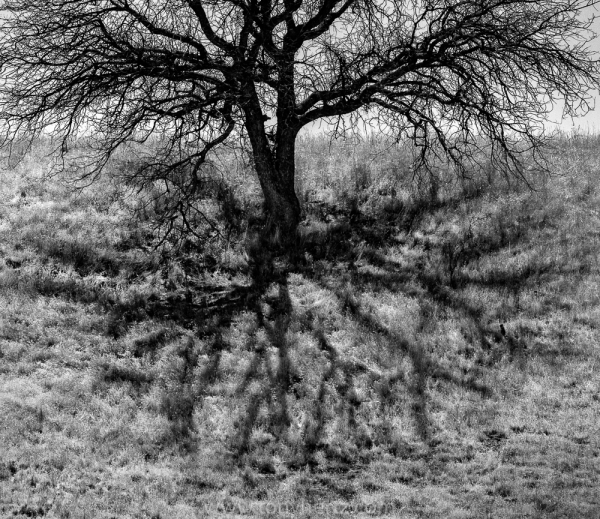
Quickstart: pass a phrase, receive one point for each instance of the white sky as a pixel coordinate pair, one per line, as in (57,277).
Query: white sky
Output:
(583,125)
(591,122)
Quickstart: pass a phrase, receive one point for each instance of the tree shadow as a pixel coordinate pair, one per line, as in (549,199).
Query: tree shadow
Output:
(328,415)
(333,421)
(272,379)
(338,415)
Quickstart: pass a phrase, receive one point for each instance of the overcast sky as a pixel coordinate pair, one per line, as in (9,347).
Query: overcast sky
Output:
(591,122)
(588,124)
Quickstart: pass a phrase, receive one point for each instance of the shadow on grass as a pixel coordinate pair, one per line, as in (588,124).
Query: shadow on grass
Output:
(335,403)
(330,417)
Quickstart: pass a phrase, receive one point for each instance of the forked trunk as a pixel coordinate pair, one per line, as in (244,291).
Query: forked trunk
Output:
(275,169)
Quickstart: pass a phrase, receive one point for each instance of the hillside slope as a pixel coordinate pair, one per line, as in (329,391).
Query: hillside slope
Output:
(428,359)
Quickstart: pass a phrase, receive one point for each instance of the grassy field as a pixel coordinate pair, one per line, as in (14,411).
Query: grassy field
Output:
(435,354)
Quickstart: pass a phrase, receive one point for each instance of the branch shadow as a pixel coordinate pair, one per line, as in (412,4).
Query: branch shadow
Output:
(271,377)
(326,416)
(333,426)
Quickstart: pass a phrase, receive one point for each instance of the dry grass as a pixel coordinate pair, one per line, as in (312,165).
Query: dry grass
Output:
(430,358)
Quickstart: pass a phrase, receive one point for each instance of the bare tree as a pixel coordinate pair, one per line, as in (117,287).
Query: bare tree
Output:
(450,74)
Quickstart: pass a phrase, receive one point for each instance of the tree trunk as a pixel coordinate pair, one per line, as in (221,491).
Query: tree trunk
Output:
(275,169)
(283,214)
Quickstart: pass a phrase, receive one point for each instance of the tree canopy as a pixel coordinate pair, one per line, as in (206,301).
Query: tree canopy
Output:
(448,74)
